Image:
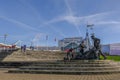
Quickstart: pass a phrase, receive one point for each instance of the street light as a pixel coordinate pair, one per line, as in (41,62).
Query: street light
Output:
(5,36)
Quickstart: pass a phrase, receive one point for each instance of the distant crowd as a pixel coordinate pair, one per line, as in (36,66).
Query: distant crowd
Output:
(23,48)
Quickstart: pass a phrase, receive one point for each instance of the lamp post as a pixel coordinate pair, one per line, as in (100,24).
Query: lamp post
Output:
(5,36)
(47,42)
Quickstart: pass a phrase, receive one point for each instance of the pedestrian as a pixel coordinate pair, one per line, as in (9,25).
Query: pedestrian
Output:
(21,48)
(24,48)
(69,54)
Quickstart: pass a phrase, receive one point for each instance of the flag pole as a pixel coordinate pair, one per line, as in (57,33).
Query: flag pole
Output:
(91,28)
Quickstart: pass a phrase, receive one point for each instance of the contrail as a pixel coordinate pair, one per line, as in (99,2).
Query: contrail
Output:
(55,20)
(64,18)
(39,17)
(69,8)
(108,22)
(58,31)
(95,17)
(77,20)
(53,28)
(33,10)
(71,14)
(23,25)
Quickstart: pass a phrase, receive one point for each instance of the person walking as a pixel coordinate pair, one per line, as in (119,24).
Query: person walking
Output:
(24,48)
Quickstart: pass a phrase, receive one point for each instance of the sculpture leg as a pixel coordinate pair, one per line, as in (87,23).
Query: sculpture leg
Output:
(102,54)
(87,54)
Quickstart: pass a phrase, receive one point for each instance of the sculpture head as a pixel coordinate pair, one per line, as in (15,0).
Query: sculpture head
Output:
(82,41)
(92,36)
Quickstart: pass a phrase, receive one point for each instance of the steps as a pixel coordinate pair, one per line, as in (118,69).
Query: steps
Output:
(39,62)
(73,67)
(34,56)
(64,72)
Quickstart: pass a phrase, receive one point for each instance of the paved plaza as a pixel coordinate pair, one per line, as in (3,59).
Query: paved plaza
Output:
(13,76)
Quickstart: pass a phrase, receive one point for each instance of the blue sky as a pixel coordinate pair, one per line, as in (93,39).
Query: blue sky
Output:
(31,20)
